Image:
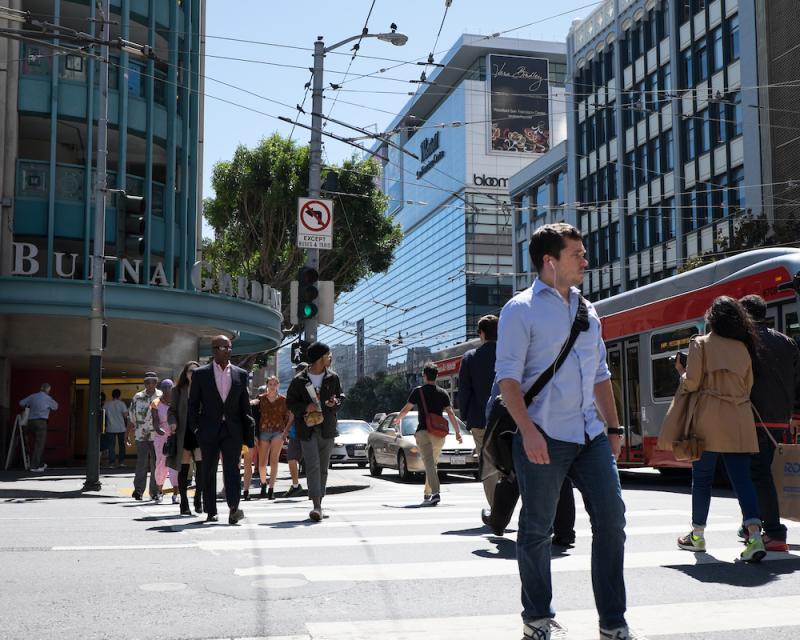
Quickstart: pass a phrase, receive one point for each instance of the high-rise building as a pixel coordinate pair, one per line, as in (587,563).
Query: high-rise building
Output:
(671,131)
(492,106)
(161,305)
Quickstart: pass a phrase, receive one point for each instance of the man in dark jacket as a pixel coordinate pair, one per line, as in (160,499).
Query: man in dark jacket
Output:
(218,412)
(775,394)
(313,396)
(474,386)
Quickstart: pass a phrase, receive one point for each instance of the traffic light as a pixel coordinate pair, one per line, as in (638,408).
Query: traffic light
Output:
(298,351)
(134,209)
(307,293)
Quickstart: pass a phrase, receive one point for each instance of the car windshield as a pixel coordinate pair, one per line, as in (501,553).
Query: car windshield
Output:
(411,421)
(352,427)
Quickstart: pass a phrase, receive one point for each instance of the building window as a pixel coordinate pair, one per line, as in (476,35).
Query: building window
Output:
(523,257)
(736,197)
(608,61)
(666,84)
(717,52)
(629,168)
(652,92)
(687,72)
(613,241)
(654,152)
(669,219)
(602,257)
(668,164)
(639,167)
(611,124)
(560,197)
(690,211)
(601,184)
(633,233)
(733,38)
(734,112)
(702,208)
(664,20)
(719,198)
(689,139)
(718,124)
(701,61)
(612,181)
(640,108)
(704,131)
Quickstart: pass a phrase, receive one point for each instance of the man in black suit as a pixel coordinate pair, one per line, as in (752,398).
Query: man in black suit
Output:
(219,414)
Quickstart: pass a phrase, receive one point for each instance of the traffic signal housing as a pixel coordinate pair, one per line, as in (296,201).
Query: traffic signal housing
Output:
(134,208)
(307,293)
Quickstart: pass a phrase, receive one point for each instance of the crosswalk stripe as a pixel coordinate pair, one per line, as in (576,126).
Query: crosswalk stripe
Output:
(377,572)
(680,618)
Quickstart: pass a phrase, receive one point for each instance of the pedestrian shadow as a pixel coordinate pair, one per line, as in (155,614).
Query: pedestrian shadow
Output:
(419,505)
(289,524)
(475,531)
(505,549)
(174,516)
(178,528)
(20,496)
(738,574)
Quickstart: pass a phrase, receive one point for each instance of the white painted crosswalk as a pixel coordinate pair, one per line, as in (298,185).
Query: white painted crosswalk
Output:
(382,542)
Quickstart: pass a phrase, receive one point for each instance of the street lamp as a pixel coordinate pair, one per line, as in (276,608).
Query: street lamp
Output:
(315,161)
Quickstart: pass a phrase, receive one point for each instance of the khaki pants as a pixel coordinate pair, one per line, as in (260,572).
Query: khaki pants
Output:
(429,448)
(489,474)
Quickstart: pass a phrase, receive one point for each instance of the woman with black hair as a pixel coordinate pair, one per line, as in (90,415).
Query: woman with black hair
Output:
(186,441)
(719,371)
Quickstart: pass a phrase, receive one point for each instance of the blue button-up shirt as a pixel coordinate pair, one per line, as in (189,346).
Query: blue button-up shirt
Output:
(41,404)
(534,325)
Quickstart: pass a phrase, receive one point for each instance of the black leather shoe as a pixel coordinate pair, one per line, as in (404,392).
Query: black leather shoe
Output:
(246,496)
(185,510)
(235,516)
(136,495)
(198,504)
(486,518)
(212,517)
(564,541)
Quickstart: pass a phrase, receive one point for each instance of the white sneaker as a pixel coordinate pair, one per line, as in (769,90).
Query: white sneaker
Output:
(39,469)
(159,498)
(620,633)
(174,499)
(543,629)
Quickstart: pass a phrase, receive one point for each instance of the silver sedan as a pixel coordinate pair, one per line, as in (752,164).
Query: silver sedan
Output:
(395,448)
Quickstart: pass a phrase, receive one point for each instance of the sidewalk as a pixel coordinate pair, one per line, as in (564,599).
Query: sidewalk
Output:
(67,482)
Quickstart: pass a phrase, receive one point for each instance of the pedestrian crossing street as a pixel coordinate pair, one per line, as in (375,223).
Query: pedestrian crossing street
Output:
(379,542)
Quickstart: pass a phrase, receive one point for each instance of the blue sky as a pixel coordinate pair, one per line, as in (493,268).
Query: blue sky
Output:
(374,100)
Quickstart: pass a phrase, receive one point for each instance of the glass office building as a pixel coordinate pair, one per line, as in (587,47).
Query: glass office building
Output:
(670,142)
(495,105)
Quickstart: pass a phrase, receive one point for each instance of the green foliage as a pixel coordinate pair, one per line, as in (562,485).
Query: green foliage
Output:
(369,396)
(750,231)
(254,217)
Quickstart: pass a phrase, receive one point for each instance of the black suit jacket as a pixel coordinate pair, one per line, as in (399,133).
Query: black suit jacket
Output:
(209,417)
(475,383)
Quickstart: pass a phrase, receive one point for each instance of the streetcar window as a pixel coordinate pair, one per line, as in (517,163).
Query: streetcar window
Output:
(665,378)
(791,326)
(662,347)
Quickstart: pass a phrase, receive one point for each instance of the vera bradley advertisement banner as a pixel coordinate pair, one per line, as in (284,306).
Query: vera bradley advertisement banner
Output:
(518,104)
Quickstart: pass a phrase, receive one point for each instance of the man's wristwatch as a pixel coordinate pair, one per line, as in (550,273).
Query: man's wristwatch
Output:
(616,431)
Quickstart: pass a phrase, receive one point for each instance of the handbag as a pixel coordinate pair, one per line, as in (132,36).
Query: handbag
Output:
(170,446)
(500,426)
(786,474)
(435,424)
(688,447)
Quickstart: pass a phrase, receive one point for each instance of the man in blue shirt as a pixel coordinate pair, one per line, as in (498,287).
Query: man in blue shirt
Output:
(560,432)
(40,405)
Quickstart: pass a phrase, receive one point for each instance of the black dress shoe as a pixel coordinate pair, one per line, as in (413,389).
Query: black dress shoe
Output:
(212,517)
(198,505)
(564,541)
(486,518)
(246,496)
(235,516)
(136,495)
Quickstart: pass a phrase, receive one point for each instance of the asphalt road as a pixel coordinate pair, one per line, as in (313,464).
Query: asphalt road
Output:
(381,567)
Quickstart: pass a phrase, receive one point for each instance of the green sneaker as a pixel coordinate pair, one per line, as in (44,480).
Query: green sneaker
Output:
(691,542)
(754,550)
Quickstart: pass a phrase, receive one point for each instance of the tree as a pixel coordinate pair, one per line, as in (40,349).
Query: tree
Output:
(254,217)
(368,396)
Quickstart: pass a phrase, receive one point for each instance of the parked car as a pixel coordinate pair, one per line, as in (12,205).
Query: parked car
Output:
(395,448)
(376,420)
(350,445)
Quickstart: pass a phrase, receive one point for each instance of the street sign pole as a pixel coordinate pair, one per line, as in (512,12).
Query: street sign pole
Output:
(315,165)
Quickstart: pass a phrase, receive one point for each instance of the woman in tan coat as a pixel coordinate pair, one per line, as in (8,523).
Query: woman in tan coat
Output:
(719,371)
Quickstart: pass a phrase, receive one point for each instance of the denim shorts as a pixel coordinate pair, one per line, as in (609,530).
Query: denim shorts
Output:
(267,436)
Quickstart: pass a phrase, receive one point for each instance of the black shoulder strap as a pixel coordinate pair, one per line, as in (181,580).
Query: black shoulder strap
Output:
(422,399)
(581,323)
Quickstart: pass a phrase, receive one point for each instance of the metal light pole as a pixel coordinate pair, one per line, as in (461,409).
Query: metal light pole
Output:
(315,160)
(92,482)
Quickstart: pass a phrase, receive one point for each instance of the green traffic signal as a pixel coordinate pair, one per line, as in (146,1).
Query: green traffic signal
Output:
(308,310)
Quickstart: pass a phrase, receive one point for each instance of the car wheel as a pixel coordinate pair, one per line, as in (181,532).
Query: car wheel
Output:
(374,468)
(402,468)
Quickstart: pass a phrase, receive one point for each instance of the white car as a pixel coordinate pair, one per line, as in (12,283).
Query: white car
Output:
(395,448)
(350,445)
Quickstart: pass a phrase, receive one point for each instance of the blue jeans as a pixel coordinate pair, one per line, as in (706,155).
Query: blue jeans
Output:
(592,468)
(738,467)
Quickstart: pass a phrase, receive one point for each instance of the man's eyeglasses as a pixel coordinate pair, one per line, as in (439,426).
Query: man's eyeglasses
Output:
(223,347)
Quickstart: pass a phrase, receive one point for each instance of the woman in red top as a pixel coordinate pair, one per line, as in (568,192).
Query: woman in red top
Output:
(273,431)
